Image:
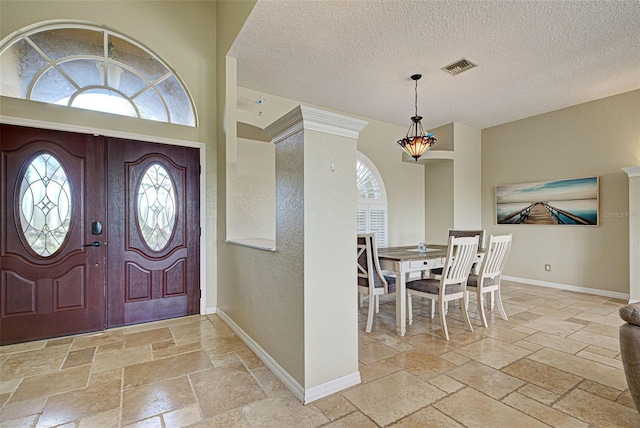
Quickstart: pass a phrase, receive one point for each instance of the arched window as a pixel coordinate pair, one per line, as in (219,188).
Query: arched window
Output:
(85,66)
(372,215)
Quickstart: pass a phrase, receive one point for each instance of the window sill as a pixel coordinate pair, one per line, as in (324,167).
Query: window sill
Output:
(257,243)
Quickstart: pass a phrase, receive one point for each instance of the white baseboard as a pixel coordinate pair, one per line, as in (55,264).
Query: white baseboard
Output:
(268,361)
(331,387)
(597,292)
(210,310)
(306,396)
(633,301)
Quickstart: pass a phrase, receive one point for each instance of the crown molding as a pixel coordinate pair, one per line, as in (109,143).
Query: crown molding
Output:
(633,171)
(314,119)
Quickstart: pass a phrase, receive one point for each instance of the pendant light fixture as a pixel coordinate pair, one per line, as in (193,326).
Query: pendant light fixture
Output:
(416,142)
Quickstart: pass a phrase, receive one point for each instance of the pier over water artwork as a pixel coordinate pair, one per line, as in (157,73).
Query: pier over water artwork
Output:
(566,202)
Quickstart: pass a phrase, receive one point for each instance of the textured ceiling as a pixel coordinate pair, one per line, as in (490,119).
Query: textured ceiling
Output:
(357,56)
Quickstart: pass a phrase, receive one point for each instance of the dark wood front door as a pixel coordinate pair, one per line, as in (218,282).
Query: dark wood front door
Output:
(95,232)
(154,232)
(52,190)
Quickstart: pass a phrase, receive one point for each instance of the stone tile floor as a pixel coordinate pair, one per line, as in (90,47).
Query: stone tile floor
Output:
(555,363)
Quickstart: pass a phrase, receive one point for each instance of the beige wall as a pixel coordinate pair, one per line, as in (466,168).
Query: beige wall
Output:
(592,139)
(404,181)
(166,28)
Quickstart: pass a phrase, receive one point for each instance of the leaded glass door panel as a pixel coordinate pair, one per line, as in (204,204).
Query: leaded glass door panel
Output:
(154,232)
(52,190)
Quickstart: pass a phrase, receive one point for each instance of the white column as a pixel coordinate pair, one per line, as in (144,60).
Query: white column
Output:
(316,210)
(634,233)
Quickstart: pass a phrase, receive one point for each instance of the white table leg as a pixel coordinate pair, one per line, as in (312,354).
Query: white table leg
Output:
(401,306)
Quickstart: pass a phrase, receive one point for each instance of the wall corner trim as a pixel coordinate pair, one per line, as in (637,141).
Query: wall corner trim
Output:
(281,373)
(633,171)
(315,119)
(210,310)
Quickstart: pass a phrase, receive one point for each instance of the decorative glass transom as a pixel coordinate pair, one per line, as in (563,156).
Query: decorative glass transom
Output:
(45,204)
(156,207)
(84,66)
(368,186)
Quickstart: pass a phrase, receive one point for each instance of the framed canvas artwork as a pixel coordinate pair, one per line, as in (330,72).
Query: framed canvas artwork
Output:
(572,201)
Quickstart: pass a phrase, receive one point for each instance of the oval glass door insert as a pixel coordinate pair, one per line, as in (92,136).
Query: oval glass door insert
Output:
(45,204)
(156,207)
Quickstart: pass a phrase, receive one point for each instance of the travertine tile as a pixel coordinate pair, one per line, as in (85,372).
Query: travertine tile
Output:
(539,394)
(427,417)
(182,417)
(157,398)
(474,409)
(556,342)
(492,382)
(580,367)
(131,340)
(51,384)
(21,409)
(25,422)
(377,370)
(504,334)
(561,381)
(411,394)
(335,406)
(370,351)
(601,359)
(541,412)
(110,418)
(446,383)
(597,411)
(268,381)
(223,345)
(554,326)
(121,358)
(354,420)
(176,350)
(80,357)
(493,353)
(9,385)
(165,368)
(221,389)
(421,364)
(542,375)
(282,411)
(78,404)
(35,362)
(602,341)
(603,391)
(232,419)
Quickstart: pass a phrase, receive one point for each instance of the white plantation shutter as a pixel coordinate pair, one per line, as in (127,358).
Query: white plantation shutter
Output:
(378,223)
(373,219)
(361,219)
(371,216)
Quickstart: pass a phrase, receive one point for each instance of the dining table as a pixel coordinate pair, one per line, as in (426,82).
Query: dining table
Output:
(403,261)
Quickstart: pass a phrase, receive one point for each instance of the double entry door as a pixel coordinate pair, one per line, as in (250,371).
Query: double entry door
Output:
(96,232)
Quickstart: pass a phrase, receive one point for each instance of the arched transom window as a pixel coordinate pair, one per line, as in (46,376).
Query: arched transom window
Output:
(89,67)
(372,215)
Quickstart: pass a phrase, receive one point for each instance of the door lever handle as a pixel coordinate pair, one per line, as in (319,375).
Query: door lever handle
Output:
(93,244)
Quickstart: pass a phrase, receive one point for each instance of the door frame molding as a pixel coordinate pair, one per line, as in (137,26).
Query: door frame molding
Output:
(20,121)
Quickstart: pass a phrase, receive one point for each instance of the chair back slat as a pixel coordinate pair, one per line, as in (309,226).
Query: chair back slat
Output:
(459,233)
(461,253)
(369,272)
(496,255)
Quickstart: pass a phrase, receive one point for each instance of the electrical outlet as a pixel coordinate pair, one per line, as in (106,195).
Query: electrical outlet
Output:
(547,268)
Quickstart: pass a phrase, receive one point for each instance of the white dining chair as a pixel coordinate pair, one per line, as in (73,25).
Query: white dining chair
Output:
(490,275)
(371,281)
(461,253)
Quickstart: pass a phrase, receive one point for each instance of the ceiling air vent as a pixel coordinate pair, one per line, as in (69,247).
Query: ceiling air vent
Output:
(459,66)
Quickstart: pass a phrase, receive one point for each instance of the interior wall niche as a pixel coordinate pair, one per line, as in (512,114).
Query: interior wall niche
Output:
(251,191)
